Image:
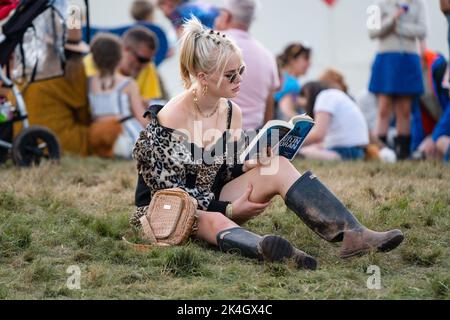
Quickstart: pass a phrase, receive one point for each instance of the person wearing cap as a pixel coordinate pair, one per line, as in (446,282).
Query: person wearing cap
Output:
(261,80)
(61,104)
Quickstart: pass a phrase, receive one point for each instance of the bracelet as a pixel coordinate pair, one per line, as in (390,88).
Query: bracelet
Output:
(229,211)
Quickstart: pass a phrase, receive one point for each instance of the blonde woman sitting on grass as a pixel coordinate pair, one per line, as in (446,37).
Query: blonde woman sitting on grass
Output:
(193,142)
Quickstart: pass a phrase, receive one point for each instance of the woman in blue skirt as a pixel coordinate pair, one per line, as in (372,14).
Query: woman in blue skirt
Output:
(397,71)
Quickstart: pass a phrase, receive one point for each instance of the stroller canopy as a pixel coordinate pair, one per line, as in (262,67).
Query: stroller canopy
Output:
(17,25)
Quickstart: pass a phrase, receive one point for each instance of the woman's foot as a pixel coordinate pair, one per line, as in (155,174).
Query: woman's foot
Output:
(277,249)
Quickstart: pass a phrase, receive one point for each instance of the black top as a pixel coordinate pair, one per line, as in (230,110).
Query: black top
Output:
(151,178)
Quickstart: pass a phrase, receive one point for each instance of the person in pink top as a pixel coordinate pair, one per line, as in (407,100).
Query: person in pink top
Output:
(261,78)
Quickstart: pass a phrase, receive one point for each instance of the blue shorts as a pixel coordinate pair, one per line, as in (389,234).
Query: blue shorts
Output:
(350,153)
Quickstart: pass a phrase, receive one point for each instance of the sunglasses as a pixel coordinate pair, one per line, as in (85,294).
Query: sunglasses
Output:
(232,77)
(141,59)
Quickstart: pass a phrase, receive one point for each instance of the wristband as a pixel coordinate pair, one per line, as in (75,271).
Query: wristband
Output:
(229,211)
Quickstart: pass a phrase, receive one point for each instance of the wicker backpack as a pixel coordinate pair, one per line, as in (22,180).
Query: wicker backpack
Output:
(169,220)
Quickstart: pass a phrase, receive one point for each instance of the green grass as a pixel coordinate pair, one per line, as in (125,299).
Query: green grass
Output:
(54,217)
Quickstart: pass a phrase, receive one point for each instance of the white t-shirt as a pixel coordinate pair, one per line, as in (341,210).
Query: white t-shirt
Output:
(348,128)
(368,103)
(258,81)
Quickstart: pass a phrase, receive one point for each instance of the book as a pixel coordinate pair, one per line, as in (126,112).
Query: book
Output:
(283,138)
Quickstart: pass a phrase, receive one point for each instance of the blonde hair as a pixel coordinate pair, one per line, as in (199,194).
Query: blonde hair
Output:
(204,50)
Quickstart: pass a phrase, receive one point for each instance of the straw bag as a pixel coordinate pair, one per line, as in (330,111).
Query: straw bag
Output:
(169,220)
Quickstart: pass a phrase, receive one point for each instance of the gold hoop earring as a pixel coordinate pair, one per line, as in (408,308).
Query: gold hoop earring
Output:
(205,90)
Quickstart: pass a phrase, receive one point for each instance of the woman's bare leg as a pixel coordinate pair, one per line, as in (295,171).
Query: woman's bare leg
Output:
(385,109)
(210,224)
(402,107)
(317,152)
(267,182)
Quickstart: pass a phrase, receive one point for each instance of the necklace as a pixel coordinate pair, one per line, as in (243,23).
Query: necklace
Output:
(199,112)
(198,107)
(207,143)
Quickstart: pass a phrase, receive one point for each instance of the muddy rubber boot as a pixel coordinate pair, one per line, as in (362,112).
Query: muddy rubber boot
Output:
(403,147)
(325,214)
(268,248)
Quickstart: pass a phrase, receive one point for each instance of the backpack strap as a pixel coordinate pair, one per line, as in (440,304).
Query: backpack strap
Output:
(147,230)
(123,85)
(147,234)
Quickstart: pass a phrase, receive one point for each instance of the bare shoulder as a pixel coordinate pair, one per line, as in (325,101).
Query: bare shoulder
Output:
(132,85)
(173,114)
(236,120)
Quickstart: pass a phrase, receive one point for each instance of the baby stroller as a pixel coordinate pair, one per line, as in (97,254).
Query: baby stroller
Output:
(32,39)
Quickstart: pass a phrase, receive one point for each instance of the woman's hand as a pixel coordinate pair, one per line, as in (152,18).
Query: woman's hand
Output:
(428,147)
(244,209)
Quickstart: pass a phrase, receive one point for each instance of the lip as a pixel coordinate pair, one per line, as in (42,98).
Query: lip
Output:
(237,89)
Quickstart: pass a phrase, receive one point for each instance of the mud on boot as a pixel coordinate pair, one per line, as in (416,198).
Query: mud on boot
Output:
(327,216)
(362,241)
(277,249)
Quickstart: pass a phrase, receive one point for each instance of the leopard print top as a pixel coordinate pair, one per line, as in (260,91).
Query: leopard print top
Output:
(166,159)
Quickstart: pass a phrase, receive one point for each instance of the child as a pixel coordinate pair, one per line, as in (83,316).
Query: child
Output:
(111,94)
(142,11)
(340,125)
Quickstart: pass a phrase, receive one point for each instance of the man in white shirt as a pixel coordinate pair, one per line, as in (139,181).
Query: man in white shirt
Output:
(261,78)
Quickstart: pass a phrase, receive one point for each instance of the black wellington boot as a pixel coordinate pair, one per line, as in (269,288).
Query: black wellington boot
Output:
(325,214)
(268,248)
(383,139)
(403,147)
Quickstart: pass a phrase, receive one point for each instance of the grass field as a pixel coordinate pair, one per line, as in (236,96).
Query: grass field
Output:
(74,214)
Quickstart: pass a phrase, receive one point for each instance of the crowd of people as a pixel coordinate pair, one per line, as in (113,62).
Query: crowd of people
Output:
(105,105)
(96,108)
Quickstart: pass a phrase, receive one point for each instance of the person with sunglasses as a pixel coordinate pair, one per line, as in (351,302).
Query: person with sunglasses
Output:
(139,48)
(194,143)
(261,80)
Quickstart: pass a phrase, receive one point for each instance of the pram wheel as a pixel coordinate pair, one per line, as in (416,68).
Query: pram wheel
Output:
(33,145)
